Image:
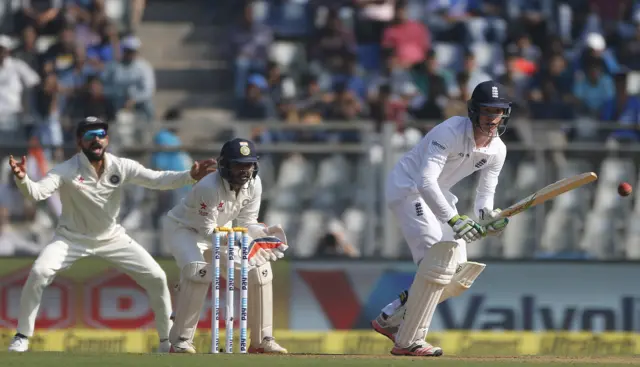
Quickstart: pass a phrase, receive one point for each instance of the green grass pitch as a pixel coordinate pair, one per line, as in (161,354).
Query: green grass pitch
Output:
(235,360)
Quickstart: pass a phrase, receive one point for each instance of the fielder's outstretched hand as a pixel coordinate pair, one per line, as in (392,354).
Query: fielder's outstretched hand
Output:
(19,169)
(203,168)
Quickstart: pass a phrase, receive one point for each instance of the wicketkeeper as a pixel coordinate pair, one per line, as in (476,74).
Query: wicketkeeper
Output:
(232,193)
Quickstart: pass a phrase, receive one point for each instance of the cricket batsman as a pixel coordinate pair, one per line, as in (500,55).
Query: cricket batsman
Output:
(234,192)
(91,186)
(418,194)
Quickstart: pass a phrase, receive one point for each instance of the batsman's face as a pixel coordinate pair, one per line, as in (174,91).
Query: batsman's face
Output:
(93,144)
(490,118)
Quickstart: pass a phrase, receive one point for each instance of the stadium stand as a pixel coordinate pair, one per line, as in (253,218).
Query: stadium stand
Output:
(571,66)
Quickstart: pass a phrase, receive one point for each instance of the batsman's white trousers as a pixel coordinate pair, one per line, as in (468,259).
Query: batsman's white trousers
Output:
(421,229)
(123,252)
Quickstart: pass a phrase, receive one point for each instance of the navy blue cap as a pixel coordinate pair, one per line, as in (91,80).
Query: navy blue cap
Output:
(491,94)
(239,150)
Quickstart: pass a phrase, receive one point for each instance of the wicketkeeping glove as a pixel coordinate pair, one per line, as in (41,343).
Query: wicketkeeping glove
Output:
(269,244)
(466,229)
(490,220)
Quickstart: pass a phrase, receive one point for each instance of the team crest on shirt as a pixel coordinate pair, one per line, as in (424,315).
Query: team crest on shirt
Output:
(114,179)
(221,206)
(203,209)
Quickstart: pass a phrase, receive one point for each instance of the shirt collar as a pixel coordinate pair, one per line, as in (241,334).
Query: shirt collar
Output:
(86,164)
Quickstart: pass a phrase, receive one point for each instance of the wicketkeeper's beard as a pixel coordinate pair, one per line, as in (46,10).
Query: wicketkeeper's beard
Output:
(94,152)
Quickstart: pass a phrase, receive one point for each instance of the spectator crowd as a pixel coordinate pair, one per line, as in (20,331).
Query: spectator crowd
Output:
(62,60)
(305,61)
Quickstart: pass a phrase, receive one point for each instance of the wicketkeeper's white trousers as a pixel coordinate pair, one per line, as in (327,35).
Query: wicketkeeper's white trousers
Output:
(123,252)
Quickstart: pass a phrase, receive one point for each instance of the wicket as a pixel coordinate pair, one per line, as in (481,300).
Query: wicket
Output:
(231,234)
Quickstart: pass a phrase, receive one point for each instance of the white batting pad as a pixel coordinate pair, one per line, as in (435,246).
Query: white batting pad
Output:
(260,303)
(462,280)
(435,272)
(194,284)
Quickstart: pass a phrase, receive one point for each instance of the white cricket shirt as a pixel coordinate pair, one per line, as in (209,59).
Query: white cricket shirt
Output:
(211,203)
(90,205)
(443,157)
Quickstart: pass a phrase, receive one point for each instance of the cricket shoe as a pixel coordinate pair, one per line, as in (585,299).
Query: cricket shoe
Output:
(381,326)
(164,346)
(182,346)
(268,346)
(19,344)
(420,348)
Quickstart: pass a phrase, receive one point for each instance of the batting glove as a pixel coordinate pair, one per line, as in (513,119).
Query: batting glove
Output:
(490,220)
(467,229)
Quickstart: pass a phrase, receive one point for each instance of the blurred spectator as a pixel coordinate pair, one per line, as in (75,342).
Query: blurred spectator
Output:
(515,79)
(534,19)
(46,17)
(622,109)
(331,45)
(107,49)
(131,82)
(409,40)
(595,51)
(380,105)
(289,19)
(476,75)
(560,77)
(457,105)
(15,76)
(432,84)
(61,56)
(344,105)
(391,74)
(447,19)
(88,33)
(629,50)
(593,88)
(91,101)
(371,19)
(525,49)
(47,113)
(256,105)
(27,51)
(351,78)
(312,97)
(280,86)
(169,161)
(82,11)
(492,26)
(250,44)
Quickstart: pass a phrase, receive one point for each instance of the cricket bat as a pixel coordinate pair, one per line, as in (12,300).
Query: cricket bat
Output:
(549,192)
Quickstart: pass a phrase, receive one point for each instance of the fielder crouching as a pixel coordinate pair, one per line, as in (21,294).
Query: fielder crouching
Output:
(232,193)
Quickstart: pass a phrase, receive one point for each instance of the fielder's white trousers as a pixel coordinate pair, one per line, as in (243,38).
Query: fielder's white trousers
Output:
(123,252)
(421,229)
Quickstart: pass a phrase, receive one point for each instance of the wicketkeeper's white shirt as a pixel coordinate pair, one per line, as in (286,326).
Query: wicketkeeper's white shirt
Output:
(443,157)
(90,205)
(212,203)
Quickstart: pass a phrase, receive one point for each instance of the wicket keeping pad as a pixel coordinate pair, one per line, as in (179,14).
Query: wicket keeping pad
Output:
(192,291)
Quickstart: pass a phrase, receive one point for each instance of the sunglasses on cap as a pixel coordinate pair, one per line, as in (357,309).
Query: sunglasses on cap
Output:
(92,134)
